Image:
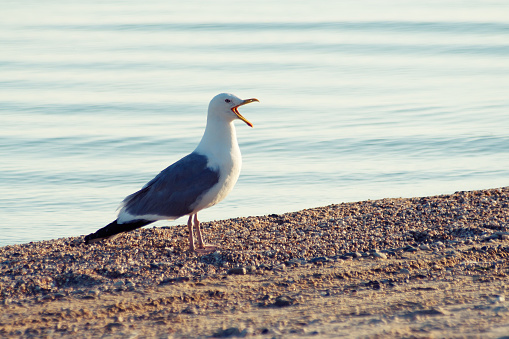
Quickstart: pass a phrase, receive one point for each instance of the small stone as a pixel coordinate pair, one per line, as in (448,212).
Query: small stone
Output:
(229,332)
(426,313)
(174,280)
(111,326)
(191,309)
(451,253)
(379,255)
(501,235)
(410,249)
(251,268)
(264,267)
(281,267)
(497,298)
(318,259)
(434,311)
(237,270)
(118,284)
(404,271)
(89,296)
(61,327)
(374,284)
(283,301)
(130,285)
(424,247)
(267,297)
(294,262)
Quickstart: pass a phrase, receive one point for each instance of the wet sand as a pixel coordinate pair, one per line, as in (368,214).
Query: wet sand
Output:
(419,267)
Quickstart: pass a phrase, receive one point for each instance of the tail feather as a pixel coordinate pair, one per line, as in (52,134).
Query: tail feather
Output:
(109,231)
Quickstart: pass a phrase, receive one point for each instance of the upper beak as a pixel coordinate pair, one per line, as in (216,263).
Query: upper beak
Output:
(236,111)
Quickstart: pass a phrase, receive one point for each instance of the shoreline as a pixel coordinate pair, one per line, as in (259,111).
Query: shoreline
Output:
(422,267)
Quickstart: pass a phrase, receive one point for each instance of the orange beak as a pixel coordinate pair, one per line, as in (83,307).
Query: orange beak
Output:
(236,111)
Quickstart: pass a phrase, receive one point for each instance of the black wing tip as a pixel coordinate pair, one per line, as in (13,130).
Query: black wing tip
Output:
(103,233)
(110,230)
(89,239)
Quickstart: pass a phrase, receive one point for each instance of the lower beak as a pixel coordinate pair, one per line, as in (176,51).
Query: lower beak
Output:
(236,111)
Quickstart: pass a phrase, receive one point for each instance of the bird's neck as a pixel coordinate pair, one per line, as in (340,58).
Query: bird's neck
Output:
(220,138)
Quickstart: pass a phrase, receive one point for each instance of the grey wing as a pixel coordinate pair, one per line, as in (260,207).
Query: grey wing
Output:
(173,192)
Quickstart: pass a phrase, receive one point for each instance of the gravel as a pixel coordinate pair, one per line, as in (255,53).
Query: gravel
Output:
(473,223)
(156,255)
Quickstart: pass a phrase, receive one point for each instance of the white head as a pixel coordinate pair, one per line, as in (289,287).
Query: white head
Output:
(226,106)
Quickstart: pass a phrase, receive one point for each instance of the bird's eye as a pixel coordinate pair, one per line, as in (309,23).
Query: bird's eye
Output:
(227,100)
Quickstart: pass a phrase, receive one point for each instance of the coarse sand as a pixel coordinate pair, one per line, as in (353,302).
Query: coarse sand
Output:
(414,268)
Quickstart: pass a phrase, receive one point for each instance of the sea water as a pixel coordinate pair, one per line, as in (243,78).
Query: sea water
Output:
(358,100)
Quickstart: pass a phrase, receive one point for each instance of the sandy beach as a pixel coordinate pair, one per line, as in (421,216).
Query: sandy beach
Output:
(425,267)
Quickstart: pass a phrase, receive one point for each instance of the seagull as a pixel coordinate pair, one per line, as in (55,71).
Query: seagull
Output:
(197,181)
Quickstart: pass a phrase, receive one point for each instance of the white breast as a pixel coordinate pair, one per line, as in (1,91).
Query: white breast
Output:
(229,170)
(219,145)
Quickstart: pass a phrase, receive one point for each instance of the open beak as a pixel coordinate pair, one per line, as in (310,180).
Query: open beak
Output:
(236,111)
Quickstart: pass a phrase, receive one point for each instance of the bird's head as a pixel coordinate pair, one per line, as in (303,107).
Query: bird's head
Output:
(226,105)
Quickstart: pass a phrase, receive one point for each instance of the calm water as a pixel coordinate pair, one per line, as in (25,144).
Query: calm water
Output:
(357,101)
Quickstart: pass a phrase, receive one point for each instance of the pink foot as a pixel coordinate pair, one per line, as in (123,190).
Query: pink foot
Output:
(206,249)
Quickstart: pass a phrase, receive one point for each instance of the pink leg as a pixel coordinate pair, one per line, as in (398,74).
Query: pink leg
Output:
(197,229)
(191,237)
(202,247)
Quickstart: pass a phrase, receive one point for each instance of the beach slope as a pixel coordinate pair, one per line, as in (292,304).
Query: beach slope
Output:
(406,267)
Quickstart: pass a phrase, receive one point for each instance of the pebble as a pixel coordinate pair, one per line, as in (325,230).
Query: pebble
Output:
(380,255)
(191,309)
(497,298)
(230,332)
(425,247)
(266,244)
(130,285)
(119,285)
(113,325)
(427,312)
(283,301)
(237,270)
(281,267)
(315,260)
(293,262)
(251,268)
